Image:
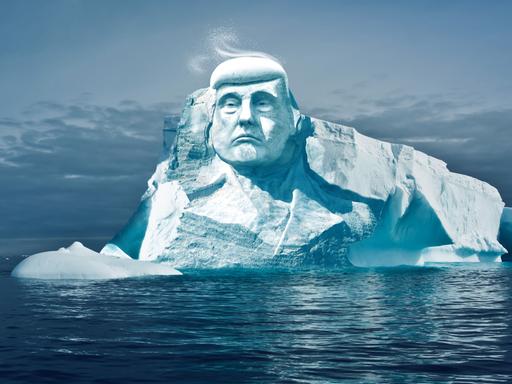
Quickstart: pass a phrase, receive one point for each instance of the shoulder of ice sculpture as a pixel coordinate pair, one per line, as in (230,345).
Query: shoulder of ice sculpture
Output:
(251,181)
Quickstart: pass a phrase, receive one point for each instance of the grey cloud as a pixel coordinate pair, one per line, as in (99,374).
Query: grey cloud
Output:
(77,170)
(433,139)
(9,123)
(391,101)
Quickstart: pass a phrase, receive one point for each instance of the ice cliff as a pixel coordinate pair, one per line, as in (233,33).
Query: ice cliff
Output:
(347,199)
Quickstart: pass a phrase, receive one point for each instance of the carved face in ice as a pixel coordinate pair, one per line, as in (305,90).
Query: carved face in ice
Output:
(252,123)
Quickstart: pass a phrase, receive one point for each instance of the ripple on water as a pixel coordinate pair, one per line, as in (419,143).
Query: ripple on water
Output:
(408,325)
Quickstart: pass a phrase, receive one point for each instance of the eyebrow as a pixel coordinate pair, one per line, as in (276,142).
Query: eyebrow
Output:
(234,95)
(265,94)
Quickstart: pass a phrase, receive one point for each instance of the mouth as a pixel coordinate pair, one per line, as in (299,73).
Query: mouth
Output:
(245,138)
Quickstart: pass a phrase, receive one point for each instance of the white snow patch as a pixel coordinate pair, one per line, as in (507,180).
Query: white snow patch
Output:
(80,262)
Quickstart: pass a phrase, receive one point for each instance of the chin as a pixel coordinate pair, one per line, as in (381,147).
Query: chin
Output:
(247,154)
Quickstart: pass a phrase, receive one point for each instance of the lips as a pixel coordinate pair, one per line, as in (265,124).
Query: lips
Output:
(246,138)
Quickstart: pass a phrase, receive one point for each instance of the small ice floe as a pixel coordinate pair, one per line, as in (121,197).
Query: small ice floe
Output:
(80,262)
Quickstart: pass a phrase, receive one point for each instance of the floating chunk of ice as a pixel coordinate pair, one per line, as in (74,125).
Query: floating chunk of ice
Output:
(80,262)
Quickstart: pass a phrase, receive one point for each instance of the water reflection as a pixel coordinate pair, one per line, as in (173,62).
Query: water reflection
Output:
(433,324)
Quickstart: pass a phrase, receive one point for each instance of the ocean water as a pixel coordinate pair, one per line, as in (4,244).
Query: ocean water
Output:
(434,324)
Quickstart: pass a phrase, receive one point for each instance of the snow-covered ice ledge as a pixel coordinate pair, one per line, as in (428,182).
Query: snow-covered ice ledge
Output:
(80,262)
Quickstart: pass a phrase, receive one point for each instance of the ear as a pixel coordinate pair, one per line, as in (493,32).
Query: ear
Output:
(297,117)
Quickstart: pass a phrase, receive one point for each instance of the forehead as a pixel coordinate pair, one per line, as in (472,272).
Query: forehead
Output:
(274,87)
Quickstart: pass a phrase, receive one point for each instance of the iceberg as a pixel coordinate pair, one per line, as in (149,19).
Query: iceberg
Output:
(250,181)
(247,180)
(80,262)
(505,235)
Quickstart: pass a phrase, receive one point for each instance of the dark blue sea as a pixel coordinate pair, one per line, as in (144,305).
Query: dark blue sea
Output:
(434,324)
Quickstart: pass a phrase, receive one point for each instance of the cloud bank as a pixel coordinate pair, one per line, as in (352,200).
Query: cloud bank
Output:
(76,171)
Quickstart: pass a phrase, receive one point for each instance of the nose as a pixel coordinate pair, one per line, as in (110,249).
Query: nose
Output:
(246,116)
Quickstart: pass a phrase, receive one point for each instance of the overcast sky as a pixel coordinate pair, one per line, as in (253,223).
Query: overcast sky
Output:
(84,87)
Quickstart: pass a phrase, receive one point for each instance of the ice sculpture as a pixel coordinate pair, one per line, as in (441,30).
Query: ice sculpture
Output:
(250,181)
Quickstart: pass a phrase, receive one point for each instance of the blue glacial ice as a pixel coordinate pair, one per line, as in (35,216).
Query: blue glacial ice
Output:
(324,195)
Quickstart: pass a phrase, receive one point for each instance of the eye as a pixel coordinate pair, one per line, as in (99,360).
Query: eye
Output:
(263,101)
(263,105)
(230,105)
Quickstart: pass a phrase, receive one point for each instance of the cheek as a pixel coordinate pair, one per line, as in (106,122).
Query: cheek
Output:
(275,129)
(268,126)
(221,129)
